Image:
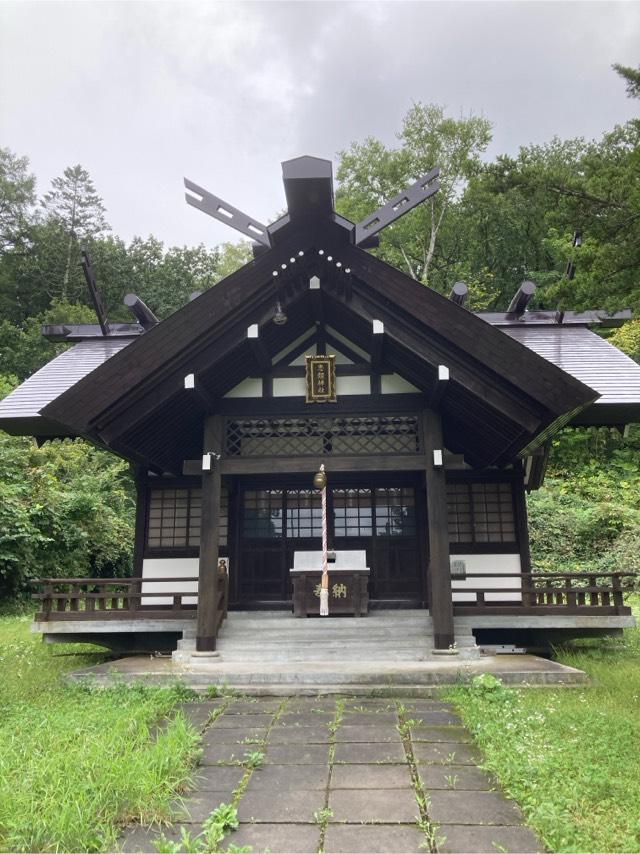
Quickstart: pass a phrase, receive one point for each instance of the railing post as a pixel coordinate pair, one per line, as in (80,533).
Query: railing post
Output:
(618,599)
(571,596)
(47,600)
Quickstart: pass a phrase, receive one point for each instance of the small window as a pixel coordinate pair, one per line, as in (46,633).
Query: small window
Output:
(480,513)
(262,514)
(174,518)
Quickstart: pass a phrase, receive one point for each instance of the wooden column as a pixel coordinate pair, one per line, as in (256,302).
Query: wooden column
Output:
(207,618)
(140,535)
(522,532)
(439,577)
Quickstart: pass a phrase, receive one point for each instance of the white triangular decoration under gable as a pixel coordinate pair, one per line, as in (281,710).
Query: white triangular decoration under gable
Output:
(395,384)
(341,359)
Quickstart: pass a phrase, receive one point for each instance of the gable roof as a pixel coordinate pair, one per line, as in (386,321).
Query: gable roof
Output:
(504,396)
(21,410)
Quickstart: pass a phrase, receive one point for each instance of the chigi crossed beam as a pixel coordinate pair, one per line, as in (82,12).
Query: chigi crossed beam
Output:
(370,226)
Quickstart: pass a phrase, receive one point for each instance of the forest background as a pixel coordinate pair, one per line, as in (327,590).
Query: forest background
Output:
(565,214)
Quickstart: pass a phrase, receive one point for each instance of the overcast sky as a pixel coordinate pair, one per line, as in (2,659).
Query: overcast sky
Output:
(144,93)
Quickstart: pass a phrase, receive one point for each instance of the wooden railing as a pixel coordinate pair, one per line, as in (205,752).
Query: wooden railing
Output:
(543,592)
(121,599)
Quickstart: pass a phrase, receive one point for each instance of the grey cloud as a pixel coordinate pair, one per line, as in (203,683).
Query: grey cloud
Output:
(144,93)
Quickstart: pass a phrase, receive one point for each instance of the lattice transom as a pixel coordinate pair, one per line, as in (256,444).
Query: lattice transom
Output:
(282,437)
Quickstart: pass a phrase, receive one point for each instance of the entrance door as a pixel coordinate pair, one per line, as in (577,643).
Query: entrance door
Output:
(379,519)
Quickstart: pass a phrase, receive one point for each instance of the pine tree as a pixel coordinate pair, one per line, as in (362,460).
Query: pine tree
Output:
(74,205)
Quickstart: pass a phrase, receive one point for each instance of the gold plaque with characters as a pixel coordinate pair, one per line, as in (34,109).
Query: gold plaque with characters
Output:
(321,379)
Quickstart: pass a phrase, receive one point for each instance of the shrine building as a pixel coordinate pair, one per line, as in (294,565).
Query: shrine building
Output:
(431,421)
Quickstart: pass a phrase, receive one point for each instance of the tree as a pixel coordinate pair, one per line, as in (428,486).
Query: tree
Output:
(74,206)
(17,197)
(632,78)
(370,174)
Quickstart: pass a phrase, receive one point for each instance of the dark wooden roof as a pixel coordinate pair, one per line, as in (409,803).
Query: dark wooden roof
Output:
(502,400)
(501,395)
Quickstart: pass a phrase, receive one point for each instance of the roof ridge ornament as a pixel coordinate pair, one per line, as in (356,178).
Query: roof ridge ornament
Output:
(222,211)
(398,206)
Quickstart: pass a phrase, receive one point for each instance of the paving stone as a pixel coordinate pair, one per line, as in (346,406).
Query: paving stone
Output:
(296,805)
(418,707)
(197,808)
(372,718)
(369,706)
(215,754)
(310,704)
(473,808)
(299,735)
(241,721)
(297,754)
(140,840)
(370,753)
(436,718)
(254,707)
(276,838)
(473,839)
(440,733)
(458,777)
(233,736)
(368,734)
(381,839)
(382,806)
(304,719)
(278,778)
(211,778)
(370,777)
(446,753)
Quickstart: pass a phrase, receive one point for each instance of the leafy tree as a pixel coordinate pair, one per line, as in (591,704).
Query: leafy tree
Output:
(23,350)
(17,197)
(370,174)
(65,509)
(627,339)
(632,78)
(74,206)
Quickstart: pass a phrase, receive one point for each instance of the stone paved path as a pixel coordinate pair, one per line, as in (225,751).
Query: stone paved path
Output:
(344,775)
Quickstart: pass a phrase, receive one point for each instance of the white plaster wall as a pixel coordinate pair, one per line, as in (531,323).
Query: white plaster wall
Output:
(289,387)
(353,385)
(362,353)
(395,384)
(169,567)
(479,564)
(251,387)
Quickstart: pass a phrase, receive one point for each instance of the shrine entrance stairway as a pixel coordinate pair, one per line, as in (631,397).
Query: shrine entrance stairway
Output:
(276,637)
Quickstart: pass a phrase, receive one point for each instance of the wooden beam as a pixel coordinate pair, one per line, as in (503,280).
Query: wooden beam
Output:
(258,349)
(140,533)
(342,462)
(377,344)
(317,308)
(459,293)
(207,614)
(199,393)
(521,298)
(439,574)
(440,387)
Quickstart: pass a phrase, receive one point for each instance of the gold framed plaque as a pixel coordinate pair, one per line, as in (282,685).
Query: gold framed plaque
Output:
(321,379)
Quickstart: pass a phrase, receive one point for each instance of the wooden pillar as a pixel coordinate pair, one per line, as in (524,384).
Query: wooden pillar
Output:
(439,578)
(140,534)
(208,594)
(522,533)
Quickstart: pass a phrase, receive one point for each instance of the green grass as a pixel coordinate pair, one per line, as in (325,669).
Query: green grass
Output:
(570,757)
(77,763)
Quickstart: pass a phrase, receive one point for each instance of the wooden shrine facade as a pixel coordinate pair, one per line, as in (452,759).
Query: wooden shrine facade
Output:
(439,423)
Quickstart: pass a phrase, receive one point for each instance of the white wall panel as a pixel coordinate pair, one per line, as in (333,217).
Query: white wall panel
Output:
(395,384)
(169,567)
(479,564)
(251,387)
(353,385)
